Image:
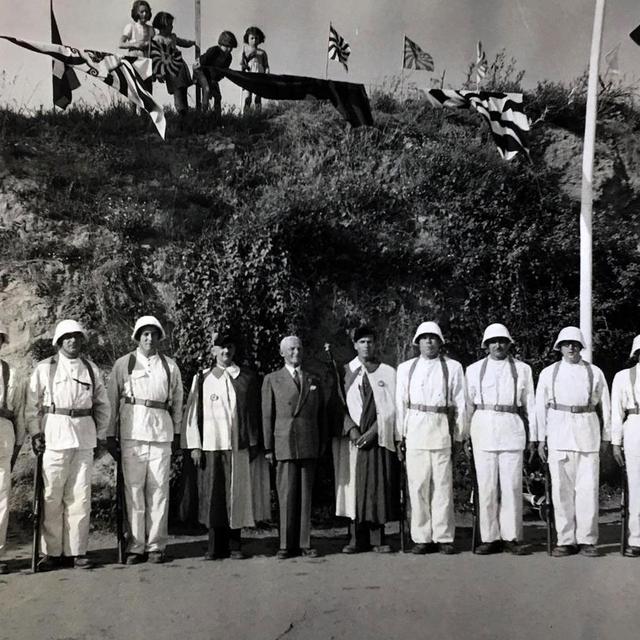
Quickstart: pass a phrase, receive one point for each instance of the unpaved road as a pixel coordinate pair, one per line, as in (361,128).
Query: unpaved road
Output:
(336,596)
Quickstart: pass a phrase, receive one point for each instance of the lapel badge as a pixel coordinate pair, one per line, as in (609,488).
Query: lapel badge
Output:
(214,397)
(381,383)
(312,387)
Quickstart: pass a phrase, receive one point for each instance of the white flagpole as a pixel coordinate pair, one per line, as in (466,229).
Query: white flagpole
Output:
(326,67)
(586,205)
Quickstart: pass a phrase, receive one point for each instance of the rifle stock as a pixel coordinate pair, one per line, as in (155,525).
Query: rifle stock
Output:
(624,511)
(475,529)
(403,499)
(120,512)
(38,486)
(548,505)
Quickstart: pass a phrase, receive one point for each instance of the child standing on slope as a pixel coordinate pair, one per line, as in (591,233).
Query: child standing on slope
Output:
(137,35)
(218,56)
(254,59)
(168,65)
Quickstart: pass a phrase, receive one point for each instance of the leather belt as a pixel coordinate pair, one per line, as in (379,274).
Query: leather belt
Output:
(427,408)
(151,404)
(72,413)
(585,408)
(634,411)
(500,408)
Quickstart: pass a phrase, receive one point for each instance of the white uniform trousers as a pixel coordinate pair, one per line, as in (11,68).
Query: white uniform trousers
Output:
(632,464)
(146,467)
(5,489)
(574,483)
(499,475)
(67,501)
(430,481)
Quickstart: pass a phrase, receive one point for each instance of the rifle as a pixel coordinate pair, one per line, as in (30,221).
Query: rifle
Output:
(475,501)
(38,489)
(121,508)
(624,510)
(548,507)
(403,498)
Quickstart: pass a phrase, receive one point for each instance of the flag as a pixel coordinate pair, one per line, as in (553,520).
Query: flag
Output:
(635,35)
(63,76)
(509,124)
(349,98)
(481,63)
(611,58)
(415,57)
(127,76)
(339,49)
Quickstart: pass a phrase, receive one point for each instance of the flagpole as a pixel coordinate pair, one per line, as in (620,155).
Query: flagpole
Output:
(198,30)
(442,79)
(586,204)
(326,68)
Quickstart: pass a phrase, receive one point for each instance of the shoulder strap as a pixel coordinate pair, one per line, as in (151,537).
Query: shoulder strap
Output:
(445,380)
(514,375)
(483,370)
(556,367)
(165,365)
(92,375)
(412,368)
(632,380)
(5,379)
(590,374)
(131,365)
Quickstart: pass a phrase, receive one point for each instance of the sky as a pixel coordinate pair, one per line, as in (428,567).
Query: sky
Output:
(549,38)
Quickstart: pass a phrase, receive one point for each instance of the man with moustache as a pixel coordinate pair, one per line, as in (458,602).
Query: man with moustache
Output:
(501,405)
(364,452)
(430,415)
(145,390)
(222,429)
(67,411)
(571,398)
(293,422)
(625,437)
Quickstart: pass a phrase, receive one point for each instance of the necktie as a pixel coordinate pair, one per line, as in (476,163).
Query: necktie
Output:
(365,387)
(296,379)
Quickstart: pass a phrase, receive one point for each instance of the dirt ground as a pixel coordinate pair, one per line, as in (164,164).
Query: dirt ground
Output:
(335,596)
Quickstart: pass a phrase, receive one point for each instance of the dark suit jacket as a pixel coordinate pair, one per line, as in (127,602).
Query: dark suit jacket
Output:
(293,423)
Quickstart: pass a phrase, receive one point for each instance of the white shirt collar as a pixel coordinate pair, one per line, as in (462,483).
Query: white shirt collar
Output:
(291,369)
(233,369)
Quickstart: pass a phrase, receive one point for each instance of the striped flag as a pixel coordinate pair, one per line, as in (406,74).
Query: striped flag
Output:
(481,63)
(507,119)
(415,58)
(339,49)
(63,76)
(127,76)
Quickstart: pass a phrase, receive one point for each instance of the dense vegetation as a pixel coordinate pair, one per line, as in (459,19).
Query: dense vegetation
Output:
(290,221)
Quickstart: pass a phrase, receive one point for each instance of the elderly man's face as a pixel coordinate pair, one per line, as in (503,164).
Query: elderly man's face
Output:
(71,344)
(291,351)
(570,350)
(498,348)
(224,354)
(365,348)
(148,339)
(429,344)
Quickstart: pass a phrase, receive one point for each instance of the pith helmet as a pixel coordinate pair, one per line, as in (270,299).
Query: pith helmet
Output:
(147,321)
(635,346)
(495,330)
(65,327)
(428,327)
(569,333)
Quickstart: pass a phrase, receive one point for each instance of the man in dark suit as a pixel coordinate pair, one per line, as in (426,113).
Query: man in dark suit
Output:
(293,420)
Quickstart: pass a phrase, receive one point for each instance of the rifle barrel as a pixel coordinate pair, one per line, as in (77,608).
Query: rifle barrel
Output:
(37,513)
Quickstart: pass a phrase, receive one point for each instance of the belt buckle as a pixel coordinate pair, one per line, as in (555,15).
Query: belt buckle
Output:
(496,407)
(574,409)
(146,403)
(72,413)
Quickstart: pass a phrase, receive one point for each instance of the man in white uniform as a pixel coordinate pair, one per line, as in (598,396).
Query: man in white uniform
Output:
(625,434)
(501,405)
(11,437)
(145,390)
(430,414)
(570,396)
(67,411)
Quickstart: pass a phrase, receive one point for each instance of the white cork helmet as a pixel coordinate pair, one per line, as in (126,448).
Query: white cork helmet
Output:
(495,330)
(635,346)
(65,327)
(572,334)
(147,321)
(428,327)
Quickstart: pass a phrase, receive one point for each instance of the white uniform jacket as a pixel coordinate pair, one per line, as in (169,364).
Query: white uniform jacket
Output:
(14,402)
(625,426)
(66,383)
(429,430)
(564,430)
(148,381)
(493,430)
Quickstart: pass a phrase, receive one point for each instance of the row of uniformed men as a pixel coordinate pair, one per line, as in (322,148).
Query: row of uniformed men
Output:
(68,409)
